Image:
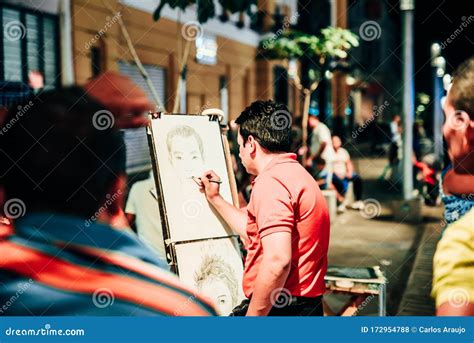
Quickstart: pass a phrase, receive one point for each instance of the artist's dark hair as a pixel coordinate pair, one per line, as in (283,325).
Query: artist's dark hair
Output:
(58,154)
(269,123)
(462,91)
(184,131)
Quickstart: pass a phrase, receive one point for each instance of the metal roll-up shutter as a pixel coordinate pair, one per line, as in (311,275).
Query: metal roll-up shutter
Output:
(138,154)
(33,43)
(13,33)
(50,53)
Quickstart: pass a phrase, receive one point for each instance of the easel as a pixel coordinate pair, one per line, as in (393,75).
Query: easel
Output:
(214,115)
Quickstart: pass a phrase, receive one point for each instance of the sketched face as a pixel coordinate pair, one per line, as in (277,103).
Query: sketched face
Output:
(185,152)
(217,290)
(216,279)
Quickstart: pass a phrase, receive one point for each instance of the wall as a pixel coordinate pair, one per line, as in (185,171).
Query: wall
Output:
(160,43)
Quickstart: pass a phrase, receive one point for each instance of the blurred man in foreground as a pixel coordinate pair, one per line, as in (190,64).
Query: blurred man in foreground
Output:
(453,265)
(64,180)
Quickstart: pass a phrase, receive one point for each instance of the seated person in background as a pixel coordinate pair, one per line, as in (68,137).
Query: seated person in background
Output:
(320,173)
(321,176)
(453,267)
(66,172)
(320,145)
(142,211)
(343,173)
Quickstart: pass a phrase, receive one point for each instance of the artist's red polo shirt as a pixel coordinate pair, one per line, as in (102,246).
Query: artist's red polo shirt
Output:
(286,198)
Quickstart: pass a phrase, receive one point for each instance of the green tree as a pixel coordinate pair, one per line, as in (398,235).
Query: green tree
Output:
(331,45)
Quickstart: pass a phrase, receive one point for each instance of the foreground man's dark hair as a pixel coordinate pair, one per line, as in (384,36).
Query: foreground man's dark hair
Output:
(56,156)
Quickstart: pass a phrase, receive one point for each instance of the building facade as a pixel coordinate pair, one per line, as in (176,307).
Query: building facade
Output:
(70,41)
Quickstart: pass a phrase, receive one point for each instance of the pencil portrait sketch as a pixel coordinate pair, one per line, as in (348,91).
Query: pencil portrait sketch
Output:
(215,268)
(186,147)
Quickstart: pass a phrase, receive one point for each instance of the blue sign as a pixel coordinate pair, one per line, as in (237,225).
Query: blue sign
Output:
(235,329)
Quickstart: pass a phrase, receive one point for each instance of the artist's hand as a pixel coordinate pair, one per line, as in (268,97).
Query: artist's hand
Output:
(124,99)
(210,185)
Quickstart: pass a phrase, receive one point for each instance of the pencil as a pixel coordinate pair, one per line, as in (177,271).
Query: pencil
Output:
(198,180)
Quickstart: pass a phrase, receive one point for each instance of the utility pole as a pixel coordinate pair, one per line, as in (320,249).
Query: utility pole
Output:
(407,8)
(67,72)
(439,64)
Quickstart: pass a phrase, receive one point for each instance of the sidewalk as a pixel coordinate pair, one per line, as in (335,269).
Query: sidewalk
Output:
(358,241)
(416,300)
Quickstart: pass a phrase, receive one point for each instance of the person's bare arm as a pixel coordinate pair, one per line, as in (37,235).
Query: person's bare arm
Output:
(272,273)
(349,168)
(447,309)
(235,217)
(457,184)
(311,158)
(320,150)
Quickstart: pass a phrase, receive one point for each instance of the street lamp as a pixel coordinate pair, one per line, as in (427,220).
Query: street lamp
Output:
(438,64)
(350,80)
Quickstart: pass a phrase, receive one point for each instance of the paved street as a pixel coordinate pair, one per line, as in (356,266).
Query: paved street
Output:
(357,241)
